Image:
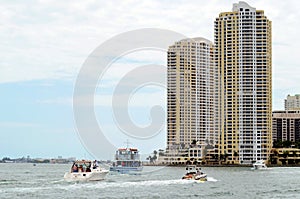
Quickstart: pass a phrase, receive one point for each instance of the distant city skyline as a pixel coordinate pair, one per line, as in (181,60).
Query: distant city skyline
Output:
(44,45)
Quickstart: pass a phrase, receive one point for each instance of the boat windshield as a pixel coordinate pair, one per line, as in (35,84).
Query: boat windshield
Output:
(128,164)
(81,166)
(127,154)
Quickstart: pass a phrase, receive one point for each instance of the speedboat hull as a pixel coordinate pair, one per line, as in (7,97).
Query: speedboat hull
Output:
(194,173)
(86,176)
(259,168)
(259,165)
(202,177)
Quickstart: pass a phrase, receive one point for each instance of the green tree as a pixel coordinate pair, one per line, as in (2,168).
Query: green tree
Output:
(150,159)
(297,144)
(286,144)
(277,144)
(160,152)
(6,158)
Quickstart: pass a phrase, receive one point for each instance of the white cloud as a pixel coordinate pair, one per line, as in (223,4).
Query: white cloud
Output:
(128,63)
(51,39)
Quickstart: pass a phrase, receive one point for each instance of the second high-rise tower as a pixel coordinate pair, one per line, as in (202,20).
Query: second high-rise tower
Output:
(244,57)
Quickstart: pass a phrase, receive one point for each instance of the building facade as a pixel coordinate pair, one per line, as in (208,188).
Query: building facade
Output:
(244,56)
(192,95)
(285,156)
(286,126)
(292,102)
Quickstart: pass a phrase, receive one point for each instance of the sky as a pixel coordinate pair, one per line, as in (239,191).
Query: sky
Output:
(45,44)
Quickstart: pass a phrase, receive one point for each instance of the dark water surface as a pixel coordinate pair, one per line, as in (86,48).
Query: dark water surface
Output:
(46,181)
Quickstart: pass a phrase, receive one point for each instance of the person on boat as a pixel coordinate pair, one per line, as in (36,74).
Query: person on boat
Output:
(88,169)
(84,167)
(199,172)
(74,168)
(80,169)
(95,164)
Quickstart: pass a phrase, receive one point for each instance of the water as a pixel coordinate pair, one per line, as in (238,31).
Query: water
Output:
(46,181)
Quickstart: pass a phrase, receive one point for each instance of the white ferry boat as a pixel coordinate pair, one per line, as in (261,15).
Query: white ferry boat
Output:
(86,170)
(194,173)
(127,160)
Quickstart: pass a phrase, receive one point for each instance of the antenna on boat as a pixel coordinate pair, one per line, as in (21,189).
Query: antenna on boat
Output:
(127,143)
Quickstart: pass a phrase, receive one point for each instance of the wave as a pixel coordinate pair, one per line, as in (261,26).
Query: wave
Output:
(5,181)
(211,179)
(104,184)
(113,184)
(63,185)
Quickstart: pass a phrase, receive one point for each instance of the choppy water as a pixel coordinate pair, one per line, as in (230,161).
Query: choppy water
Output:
(46,181)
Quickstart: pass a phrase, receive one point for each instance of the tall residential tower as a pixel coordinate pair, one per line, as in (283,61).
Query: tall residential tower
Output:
(192,94)
(244,57)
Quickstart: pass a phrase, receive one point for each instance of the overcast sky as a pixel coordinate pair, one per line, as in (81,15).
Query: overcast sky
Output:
(44,44)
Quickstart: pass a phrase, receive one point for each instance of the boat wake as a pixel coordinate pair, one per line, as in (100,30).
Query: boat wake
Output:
(211,179)
(57,181)
(105,184)
(141,183)
(67,186)
(113,184)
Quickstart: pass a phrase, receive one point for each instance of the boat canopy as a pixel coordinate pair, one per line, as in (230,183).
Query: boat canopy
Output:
(130,149)
(83,162)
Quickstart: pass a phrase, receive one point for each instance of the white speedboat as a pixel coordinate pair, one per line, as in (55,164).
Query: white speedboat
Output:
(85,170)
(259,165)
(194,173)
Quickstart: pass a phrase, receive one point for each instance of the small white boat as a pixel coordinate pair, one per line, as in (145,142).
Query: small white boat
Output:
(259,165)
(85,170)
(194,173)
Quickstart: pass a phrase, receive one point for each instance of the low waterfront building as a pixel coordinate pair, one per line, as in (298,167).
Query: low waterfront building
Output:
(286,125)
(285,156)
(61,160)
(193,155)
